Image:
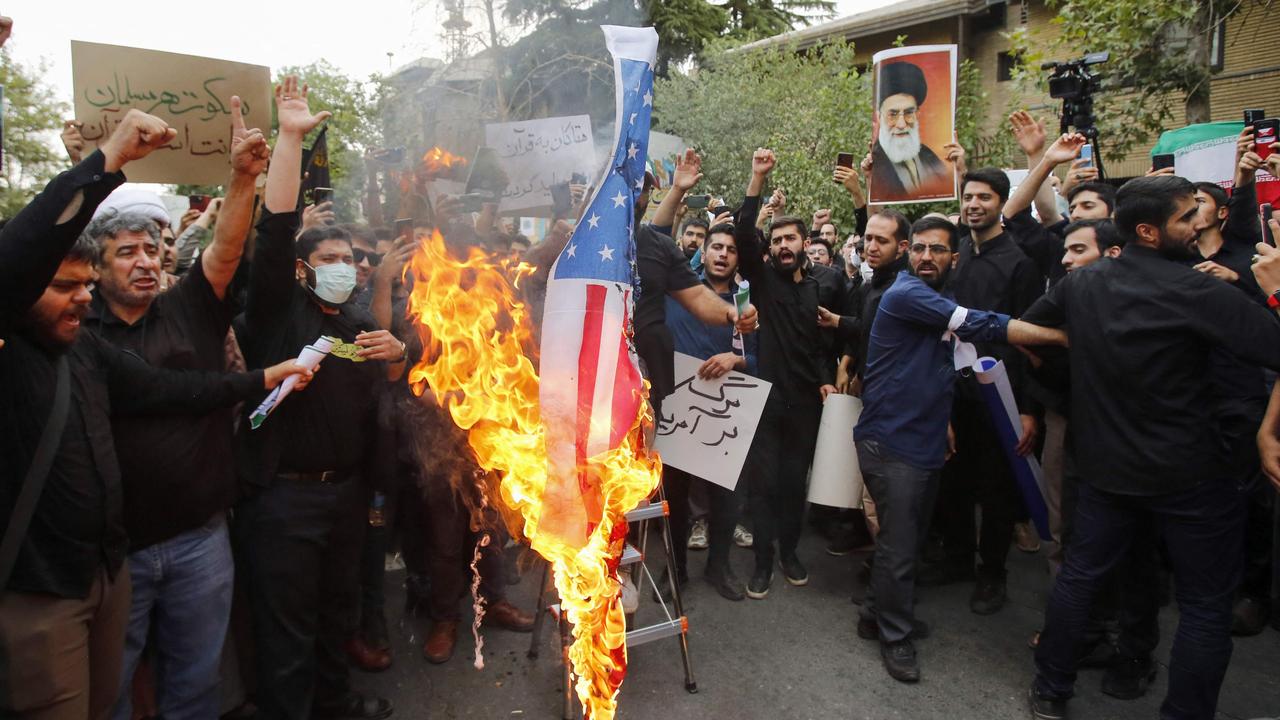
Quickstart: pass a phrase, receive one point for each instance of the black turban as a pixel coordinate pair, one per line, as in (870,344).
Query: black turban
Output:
(901,78)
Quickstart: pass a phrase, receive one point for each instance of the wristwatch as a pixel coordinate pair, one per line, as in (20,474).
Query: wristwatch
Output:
(404,352)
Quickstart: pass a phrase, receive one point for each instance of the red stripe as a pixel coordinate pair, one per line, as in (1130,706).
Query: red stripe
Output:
(588,361)
(626,390)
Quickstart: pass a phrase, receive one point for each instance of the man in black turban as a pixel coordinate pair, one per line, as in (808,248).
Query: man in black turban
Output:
(901,166)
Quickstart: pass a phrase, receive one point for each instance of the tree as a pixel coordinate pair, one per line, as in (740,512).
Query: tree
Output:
(805,107)
(755,19)
(32,119)
(1160,56)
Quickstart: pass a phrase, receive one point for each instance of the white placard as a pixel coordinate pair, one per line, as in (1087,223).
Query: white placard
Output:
(537,154)
(707,426)
(836,479)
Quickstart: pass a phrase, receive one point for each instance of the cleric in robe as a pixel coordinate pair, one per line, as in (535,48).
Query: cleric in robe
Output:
(902,167)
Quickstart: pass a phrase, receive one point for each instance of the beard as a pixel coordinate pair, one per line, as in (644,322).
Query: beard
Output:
(900,148)
(1179,251)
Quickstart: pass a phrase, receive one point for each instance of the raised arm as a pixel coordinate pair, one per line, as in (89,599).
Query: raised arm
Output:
(1063,150)
(249,155)
(688,173)
(750,259)
(284,177)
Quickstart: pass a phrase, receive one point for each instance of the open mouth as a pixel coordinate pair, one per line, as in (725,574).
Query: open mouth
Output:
(144,283)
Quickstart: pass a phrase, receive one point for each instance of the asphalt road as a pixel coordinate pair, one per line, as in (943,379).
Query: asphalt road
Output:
(796,655)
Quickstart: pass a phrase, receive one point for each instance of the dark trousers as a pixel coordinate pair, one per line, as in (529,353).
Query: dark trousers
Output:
(778,469)
(302,544)
(978,474)
(904,498)
(723,516)
(450,547)
(1239,420)
(1203,529)
(373,570)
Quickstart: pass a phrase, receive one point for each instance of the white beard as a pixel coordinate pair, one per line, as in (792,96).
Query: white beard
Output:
(900,148)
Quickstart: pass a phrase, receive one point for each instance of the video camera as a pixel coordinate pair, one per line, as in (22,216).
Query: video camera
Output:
(1073,84)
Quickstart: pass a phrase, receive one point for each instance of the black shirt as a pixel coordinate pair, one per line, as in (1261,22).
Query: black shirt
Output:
(866,303)
(1043,244)
(1142,329)
(332,425)
(178,471)
(998,278)
(792,351)
(663,269)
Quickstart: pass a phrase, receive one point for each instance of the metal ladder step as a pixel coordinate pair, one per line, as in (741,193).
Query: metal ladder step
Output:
(648,511)
(657,631)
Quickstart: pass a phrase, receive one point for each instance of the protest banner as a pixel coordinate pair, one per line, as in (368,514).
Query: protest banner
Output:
(914,117)
(707,425)
(1206,152)
(835,479)
(537,154)
(192,94)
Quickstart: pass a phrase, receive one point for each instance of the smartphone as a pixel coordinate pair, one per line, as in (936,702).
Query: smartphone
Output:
(1265,132)
(198,202)
(321,194)
(1086,154)
(1160,162)
(844,160)
(561,199)
(697,202)
(404,227)
(1264,214)
(1253,116)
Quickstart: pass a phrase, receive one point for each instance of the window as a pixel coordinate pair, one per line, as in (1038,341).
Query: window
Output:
(1006,61)
(1023,12)
(1217,47)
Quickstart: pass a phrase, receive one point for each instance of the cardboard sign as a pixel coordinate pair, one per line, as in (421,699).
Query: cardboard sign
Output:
(537,154)
(707,426)
(192,94)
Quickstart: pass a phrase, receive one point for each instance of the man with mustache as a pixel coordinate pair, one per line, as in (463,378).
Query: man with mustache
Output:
(902,167)
(902,434)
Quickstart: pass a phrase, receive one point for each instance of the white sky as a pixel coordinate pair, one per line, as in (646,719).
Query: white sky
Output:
(355,37)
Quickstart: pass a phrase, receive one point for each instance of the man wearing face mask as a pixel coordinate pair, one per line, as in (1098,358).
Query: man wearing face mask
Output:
(305,466)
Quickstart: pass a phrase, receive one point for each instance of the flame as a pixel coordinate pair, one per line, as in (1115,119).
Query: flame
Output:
(478,342)
(440,162)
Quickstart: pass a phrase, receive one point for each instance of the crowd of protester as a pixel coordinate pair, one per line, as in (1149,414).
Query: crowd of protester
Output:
(162,559)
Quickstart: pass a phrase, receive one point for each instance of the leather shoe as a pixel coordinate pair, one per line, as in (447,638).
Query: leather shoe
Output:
(508,617)
(368,659)
(869,629)
(726,583)
(900,661)
(989,594)
(1249,616)
(1043,708)
(355,705)
(441,640)
(1128,680)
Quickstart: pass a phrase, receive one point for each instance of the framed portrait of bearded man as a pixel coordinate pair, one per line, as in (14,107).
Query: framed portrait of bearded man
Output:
(915,116)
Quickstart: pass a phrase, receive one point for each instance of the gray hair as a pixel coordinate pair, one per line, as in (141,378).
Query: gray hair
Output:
(111,224)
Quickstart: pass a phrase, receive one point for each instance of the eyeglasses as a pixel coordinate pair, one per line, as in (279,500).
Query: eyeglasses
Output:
(933,249)
(361,255)
(909,114)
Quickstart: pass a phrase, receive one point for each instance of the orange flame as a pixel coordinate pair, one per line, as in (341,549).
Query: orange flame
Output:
(477,338)
(439,162)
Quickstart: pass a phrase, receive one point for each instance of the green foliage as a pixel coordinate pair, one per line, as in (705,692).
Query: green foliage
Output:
(32,119)
(1159,59)
(806,108)
(353,129)
(754,19)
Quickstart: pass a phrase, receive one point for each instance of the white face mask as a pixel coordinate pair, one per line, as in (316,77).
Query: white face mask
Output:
(867,271)
(334,282)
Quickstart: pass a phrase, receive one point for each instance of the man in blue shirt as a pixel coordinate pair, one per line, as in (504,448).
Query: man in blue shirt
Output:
(902,434)
(716,346)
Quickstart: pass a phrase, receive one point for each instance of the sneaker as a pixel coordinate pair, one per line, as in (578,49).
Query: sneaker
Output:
(759,585)
(630,595)
(741,537)
(989,594)
(1128,680)
(663,592)
(1025,537)
(793,571)
(698,536)
(869,629)
(850,541)
(726,583)
(900,661)
(946,572)
(1043,708)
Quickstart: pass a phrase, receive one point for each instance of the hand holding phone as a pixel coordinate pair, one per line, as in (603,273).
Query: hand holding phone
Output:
(1160,162)
(844,160)
(1086,154)
(1265,134)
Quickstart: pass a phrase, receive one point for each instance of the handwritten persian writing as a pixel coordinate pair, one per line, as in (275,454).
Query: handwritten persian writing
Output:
(527,139)
(539,154)
(120,93)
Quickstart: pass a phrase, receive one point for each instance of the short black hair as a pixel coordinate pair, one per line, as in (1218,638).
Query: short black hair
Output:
(84,250)
(312,237)
(1105,232)
(722,229)
(902,232)
(360,231)
(695,222)
(818,240)
(833,224)
(1213,190)
(929,222)
(1106,193)
(994,177)
(1149,201)
(788,220)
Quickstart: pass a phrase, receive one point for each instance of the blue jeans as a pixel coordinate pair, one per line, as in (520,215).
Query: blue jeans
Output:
(1203,528)
(181,594)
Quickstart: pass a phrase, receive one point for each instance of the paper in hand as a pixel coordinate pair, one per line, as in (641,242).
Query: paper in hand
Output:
(741,299)
(309,358)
